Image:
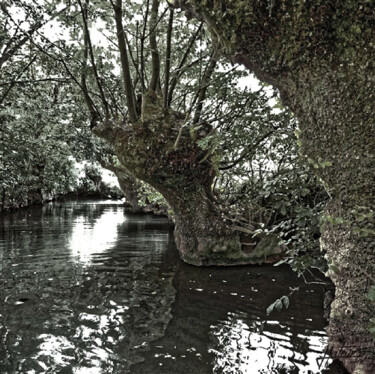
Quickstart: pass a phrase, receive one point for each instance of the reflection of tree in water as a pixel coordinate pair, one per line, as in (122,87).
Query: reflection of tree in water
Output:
(220,324)
(69,308)
(31,229)
(63,313)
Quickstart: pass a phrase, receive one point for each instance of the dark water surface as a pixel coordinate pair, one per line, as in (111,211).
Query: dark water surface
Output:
(87,289)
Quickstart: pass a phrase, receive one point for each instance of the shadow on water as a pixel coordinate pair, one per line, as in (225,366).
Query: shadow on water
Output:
(85,289)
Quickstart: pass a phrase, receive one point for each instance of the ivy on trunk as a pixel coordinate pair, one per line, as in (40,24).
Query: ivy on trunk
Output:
(321,56)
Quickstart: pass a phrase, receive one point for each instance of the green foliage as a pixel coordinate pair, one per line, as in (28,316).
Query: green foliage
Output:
(149,195)
(44,125)
(319,163)
(279,304)
(371,294)
(372,326)
(36,162)
(90,181)
(359,216)
(268,182)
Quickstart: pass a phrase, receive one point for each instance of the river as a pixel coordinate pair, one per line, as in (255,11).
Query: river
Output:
(88,289)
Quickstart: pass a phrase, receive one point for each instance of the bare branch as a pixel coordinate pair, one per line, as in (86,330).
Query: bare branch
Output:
(12,84)
(10,51)
(248,151)
(59,80)
(203,89)
(180,69)
(168,58)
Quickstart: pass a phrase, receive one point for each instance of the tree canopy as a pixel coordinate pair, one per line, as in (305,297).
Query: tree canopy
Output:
(69,67)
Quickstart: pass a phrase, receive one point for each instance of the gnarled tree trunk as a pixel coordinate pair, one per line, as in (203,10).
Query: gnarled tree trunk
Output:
(184,176)
(321,56)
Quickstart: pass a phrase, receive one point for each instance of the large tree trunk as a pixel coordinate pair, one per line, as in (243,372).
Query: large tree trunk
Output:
(184,176)
(321,56)
(338,137)
(129,186)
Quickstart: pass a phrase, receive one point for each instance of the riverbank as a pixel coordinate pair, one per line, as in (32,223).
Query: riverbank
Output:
(41,199)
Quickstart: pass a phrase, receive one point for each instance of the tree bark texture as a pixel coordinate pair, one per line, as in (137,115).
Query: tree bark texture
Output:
(184,177)
(321,57)
(129,186)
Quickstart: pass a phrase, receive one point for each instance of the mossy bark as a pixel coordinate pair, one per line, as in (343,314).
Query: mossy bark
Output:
(129,186)
(321,56)
(183,174)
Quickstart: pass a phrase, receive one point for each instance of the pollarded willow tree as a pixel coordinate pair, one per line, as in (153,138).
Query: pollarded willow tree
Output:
(321,57)
(149,81)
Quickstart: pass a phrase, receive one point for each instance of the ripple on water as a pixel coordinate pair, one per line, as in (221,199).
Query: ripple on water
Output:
(85,289)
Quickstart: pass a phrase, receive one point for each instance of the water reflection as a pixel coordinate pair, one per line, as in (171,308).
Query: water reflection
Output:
(79,293)
(86,289)
(220,325)
(240,348)
(90,237)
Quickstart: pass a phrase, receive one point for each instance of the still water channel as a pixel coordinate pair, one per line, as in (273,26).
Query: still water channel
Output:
(87,289)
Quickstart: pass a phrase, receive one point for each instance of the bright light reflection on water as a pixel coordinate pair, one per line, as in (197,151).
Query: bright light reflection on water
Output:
(89,238)
(243,349)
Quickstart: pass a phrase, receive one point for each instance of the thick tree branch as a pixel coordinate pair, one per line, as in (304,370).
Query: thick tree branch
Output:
(168,58)
(135,63)
(154,47)
(125,62)
(88,100)
(142,47)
